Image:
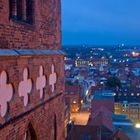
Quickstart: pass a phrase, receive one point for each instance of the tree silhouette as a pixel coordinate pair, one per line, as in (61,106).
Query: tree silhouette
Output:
(113,82)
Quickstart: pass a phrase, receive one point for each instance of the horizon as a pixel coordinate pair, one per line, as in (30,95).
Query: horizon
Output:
(99,45)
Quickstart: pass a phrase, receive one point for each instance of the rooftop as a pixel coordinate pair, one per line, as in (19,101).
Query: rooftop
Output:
(104,95)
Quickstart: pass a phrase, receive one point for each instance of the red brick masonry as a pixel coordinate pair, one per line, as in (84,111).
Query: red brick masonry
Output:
(39,112)
(44,33)
(31,45)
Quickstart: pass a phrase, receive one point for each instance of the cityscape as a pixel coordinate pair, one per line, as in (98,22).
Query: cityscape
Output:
(102,90)
(69,70)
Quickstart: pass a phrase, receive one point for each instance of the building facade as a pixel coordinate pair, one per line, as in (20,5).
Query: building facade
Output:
(132,110)
(31,70)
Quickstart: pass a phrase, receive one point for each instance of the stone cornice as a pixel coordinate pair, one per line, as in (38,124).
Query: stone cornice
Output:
(29,52)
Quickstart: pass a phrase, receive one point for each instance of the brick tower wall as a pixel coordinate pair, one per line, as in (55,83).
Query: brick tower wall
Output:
(44,33)
(31,46)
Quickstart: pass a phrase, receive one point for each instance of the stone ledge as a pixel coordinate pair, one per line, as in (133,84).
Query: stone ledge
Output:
(11,120)
(29,52)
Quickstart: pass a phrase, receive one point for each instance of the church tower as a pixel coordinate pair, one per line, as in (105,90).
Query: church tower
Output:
(31,70)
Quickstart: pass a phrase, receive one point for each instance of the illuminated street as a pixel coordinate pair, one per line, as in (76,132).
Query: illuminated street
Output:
(80,118)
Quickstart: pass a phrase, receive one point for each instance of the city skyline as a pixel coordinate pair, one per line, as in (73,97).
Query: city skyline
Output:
(101,22)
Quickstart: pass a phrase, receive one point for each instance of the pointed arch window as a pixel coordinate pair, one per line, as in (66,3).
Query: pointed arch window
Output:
(30,133)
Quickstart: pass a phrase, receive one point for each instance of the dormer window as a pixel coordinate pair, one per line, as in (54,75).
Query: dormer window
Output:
(21,10)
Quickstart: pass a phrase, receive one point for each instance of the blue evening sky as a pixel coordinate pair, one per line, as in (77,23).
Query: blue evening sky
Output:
(101,22)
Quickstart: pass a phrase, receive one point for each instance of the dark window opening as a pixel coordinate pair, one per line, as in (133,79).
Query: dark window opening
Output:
(55,128)
(30,133)
(29,11)
(10,8)
(19,10)
(12,5)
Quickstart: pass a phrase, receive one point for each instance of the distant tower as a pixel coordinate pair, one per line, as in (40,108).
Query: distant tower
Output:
(31,70)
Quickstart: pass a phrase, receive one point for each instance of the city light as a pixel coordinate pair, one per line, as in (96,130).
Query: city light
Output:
(87,92)
(82,101)
(114,94)
(137,125)
(74,102)
(135,54)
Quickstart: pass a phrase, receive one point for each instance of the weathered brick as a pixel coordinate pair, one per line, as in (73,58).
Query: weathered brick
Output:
(45,33)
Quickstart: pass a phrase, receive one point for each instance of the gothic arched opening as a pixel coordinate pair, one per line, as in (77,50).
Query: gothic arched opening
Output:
(30,133)
(55,127)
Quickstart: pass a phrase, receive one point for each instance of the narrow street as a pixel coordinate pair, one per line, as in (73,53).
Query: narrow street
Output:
(80,118)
